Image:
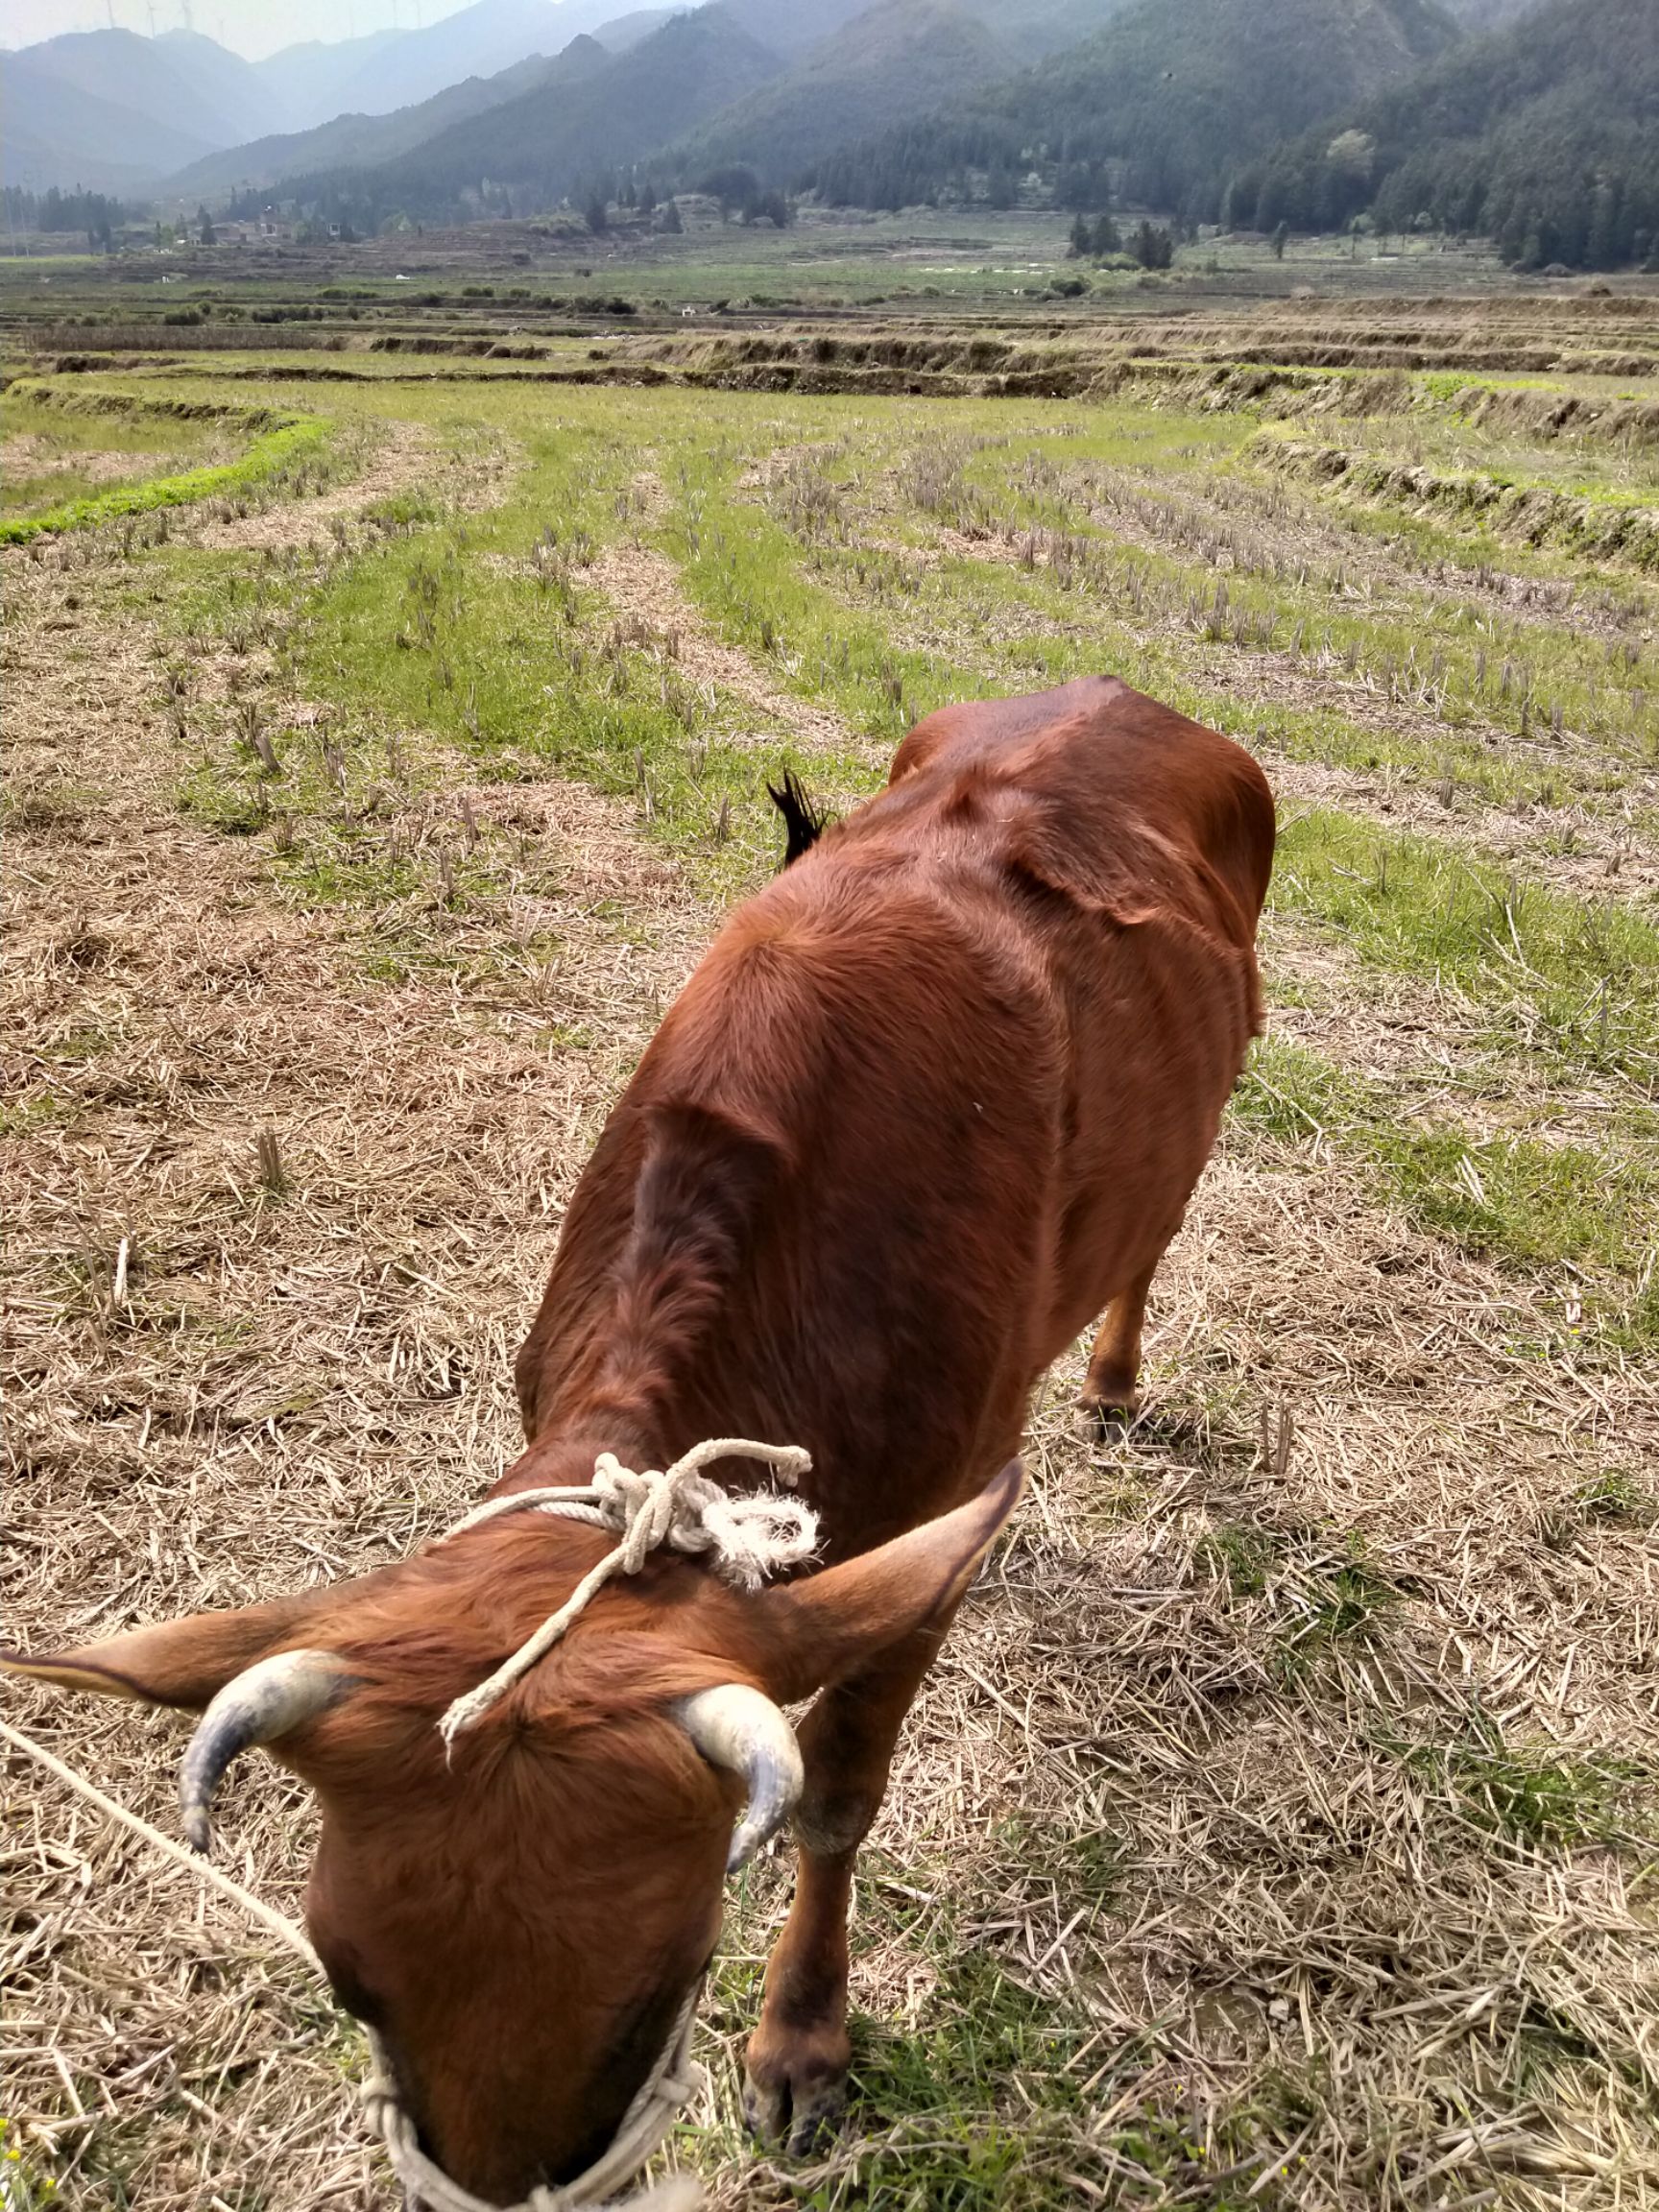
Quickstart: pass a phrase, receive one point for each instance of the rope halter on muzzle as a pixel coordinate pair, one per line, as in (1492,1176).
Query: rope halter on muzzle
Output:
(672,2084)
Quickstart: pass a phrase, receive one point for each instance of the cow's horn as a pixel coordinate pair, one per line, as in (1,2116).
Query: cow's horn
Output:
(262,1704)
(740,1729)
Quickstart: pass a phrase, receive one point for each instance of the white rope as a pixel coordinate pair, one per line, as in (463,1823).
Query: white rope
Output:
(750,1537)
(673,2083)
(286,1931)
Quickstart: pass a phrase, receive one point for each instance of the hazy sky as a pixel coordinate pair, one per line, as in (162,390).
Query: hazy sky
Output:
(250,27)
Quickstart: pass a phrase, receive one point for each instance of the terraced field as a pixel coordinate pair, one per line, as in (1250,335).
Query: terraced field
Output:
(1280,1826)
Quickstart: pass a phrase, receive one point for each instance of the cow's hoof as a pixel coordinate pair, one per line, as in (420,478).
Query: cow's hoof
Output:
(794,2105)
(1111,1406)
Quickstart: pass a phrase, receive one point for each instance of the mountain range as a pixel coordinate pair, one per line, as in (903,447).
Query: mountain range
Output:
(355,142)
(591,112)
(113,111)
(1536,121)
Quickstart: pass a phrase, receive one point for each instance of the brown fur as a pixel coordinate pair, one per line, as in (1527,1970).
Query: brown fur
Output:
(935,1098)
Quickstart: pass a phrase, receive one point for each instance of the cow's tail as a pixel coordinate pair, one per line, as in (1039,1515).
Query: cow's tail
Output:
(803,822)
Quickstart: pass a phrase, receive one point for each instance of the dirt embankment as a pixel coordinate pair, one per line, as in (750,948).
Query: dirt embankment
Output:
(173,407)
(1527,412)
(1605,530)
(1338,378)
(1297,347)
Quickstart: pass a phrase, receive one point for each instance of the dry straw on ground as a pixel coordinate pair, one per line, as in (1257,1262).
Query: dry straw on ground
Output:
(1281,1757)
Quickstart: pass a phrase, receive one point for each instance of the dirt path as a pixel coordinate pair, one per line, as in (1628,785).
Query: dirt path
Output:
(405,457)
(645,588)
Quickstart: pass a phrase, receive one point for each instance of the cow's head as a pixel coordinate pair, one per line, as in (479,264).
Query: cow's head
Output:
(521,1921)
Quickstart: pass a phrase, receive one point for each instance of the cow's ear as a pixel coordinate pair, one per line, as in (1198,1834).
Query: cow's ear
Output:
(176,1663)
(825,1628)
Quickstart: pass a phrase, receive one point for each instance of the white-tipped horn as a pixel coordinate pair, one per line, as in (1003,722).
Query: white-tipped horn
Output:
(739,1729)
(262,1704)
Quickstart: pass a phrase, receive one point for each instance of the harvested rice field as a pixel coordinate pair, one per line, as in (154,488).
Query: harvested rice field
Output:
(1280,1826)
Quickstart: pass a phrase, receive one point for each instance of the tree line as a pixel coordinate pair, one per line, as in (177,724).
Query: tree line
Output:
(95,212)
(1540,200)
(1544,138)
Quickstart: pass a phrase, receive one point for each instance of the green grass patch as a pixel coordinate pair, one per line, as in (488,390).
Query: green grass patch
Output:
(1535,1800)
(989,2092)
(1317,1589)
(842,624)
(1613,1495)
(494,639)
(274,455)
(1513,1196)
(55,456)
(1587,975)
(1146,549)
(24,2187)
(490,637)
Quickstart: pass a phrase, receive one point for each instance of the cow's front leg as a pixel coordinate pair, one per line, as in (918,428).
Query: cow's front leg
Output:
(799,2054)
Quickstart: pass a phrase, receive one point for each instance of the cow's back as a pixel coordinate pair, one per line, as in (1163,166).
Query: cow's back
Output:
(1107,793)
(1133,847)
(948,1082)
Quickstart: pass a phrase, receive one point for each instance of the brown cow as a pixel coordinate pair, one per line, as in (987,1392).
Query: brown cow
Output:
(934,1099)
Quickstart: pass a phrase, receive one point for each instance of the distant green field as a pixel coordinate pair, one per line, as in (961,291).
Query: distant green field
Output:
(922,260)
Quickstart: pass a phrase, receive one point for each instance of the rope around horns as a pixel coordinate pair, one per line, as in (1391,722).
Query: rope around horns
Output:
(750,1537)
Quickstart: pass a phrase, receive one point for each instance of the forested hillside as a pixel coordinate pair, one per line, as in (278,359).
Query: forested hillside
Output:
(1161,105)
(895,58)
(1532,122)
(1544,136)
(1035,28)
(1477,16)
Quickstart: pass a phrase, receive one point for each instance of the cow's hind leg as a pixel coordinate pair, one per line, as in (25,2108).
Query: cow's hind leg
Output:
(1113,1377)
(799,2054)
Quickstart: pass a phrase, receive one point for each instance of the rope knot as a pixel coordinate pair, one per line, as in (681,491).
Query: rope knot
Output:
(749,1536)
(650,1509)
